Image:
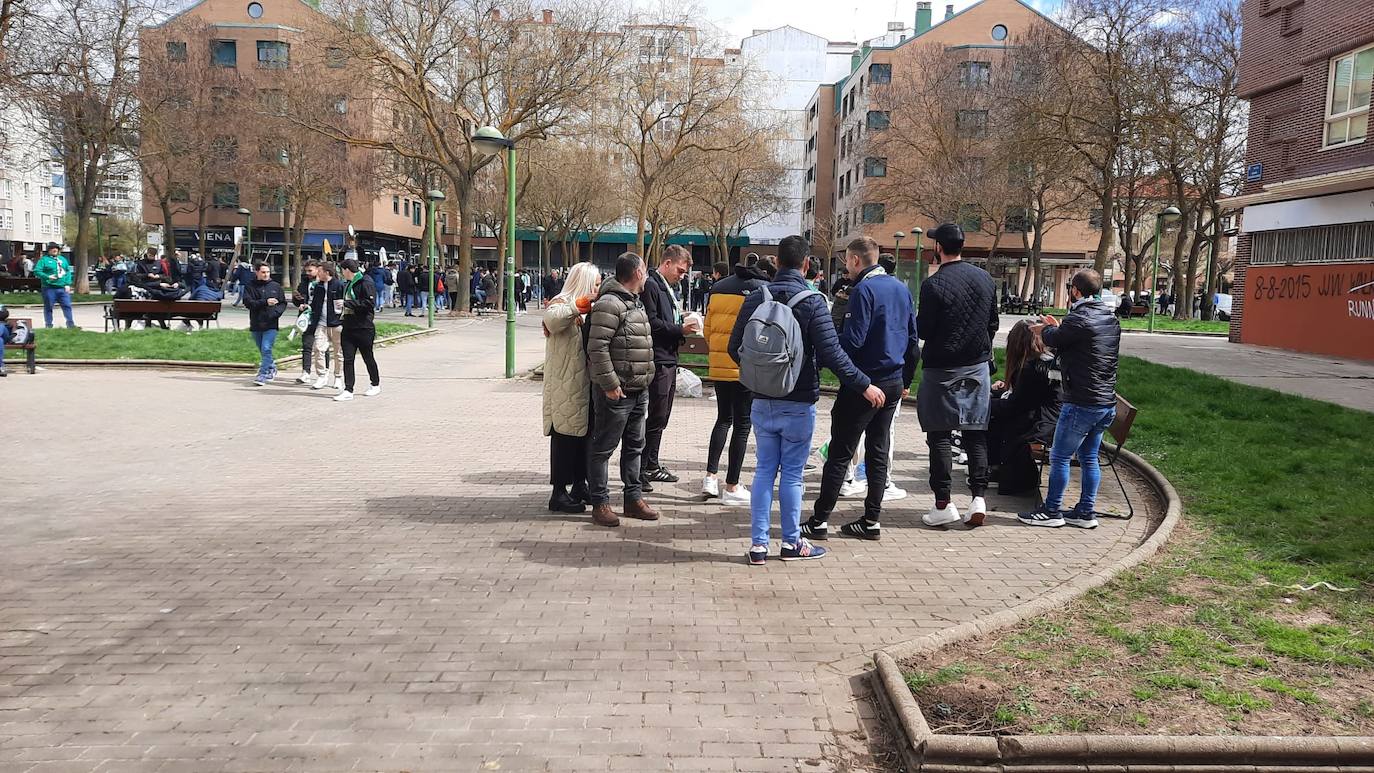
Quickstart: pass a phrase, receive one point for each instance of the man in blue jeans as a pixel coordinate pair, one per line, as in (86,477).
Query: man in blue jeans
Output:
(783,426)
(265,301)
(1088,343)
(55,277)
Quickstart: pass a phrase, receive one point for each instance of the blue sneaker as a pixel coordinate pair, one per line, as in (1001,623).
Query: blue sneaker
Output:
(801,551)
(1080,519)
(259,381)
(1040,516)
(758,555)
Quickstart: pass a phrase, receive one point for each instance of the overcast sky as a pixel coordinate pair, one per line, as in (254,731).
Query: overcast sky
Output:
(833,19)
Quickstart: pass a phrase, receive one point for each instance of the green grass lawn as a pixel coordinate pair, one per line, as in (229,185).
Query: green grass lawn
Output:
(35,299)
(212,345)
(1214,634)
(1170,324)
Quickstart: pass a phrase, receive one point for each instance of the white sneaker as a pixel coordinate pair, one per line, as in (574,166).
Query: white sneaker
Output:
(893,492)
(853,488)
(303,378)
(977,512)
(710,486)
(938,517)
(737,498)
(343,397)
(322,382)
(373,390)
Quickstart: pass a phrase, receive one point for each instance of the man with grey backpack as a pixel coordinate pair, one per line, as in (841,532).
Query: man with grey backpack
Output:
(782,337)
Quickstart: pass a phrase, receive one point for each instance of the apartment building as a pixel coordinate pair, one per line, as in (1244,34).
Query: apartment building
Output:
(256,40)
(841,204)
(1304,276)
(32,189)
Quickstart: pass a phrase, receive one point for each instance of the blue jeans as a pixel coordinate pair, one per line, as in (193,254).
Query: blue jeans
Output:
(58,295)
(1079,432)
(265,339)
(782,438)
(6,335)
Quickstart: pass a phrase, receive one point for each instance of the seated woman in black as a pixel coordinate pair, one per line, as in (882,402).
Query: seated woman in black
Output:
(1026,412)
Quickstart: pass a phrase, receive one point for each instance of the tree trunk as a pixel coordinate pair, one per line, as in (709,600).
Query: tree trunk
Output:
(464,201)
(642,216)
(168,237)
(1210,283)
(1185,310)
(1104,239)
(202,215)
(1179,291)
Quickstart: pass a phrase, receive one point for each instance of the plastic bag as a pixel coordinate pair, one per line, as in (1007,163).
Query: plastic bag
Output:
(688,383)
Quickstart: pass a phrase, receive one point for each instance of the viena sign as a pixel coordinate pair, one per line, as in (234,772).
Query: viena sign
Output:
(1356,207)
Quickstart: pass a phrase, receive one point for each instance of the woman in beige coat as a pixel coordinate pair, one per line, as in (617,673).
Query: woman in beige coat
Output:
(567,390)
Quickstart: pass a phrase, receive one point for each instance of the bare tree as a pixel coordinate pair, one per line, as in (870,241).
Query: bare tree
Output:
(574,189)
(731,191)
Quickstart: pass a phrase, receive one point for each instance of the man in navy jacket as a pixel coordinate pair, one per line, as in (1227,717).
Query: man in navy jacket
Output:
(783,426)
(879,335)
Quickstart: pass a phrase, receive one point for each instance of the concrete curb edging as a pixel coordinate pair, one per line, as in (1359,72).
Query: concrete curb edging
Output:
(193,365)
(1181,333)
(923,750)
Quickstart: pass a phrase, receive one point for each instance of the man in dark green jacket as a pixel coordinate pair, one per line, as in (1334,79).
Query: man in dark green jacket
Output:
(55,277)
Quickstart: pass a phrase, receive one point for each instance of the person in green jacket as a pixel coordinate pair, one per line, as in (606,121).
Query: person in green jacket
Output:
(55,276)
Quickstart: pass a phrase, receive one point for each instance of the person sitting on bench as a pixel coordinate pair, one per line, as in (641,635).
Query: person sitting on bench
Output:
(12,331)
(1024,411)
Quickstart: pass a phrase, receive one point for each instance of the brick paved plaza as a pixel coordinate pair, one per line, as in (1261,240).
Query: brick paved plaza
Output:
(203,576)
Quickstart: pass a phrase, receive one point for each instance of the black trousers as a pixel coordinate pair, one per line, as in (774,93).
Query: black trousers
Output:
(850,418)
(567,460)
(307,349)
(662,390)
(359,340)
(942,462)
(733,405)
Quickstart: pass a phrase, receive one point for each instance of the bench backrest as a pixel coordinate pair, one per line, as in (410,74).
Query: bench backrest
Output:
(134,305)
(1121,425)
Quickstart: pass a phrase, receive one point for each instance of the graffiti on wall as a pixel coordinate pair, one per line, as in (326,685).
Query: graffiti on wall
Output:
(1328,309)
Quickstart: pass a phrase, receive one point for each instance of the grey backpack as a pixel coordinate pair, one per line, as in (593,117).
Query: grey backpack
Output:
(773,348)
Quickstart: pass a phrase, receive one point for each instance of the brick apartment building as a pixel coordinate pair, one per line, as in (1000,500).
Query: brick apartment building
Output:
(1305,258)
(840,117)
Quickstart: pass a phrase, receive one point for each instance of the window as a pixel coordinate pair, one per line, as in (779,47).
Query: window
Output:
(407,207)
(6,219)
(272,101)
(226,194)
(273,53)
(878,119)
(395,205)
(255,10)
(224,53)
(875,167)
(1018,220)
(999,32)
(972,123)
(220,97)
(968,218)
(176,50)
(335,57)
(179,192)
(271,198)
(875,213)
(273,151)
(339,103)
(225,149)
(974,74)
(811,174)
(339,198)
(1347,106)
(1095,220)
(880,73)
(1316,244)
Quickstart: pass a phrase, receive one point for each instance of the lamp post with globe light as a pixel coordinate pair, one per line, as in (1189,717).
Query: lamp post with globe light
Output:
(433,197)
(1169,215)
(489,141)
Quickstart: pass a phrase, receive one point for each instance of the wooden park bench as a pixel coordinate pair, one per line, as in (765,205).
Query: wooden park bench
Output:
(130,309)
(29,349)
(19,284)
(1119,431)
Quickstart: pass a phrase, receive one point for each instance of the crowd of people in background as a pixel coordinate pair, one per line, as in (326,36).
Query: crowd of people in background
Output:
(771,326)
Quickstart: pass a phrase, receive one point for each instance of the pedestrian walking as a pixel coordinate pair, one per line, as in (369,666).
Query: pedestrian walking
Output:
(620,363)
(377,273)
(405,285)
(567,389)
(265,300)
(664,309)
(302,298)
(358,331)
(734,401)
(55,280)
(879,335)
(1088,344)
(328,351)
(957,319)
(452,281)
(789,337)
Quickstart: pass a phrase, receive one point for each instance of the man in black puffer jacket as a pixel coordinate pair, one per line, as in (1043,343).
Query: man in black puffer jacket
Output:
(1088,343)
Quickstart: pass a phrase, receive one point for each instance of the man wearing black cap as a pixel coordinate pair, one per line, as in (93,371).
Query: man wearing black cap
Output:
(957,319)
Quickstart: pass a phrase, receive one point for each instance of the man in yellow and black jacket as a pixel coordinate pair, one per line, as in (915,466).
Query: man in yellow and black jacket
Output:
(733,401)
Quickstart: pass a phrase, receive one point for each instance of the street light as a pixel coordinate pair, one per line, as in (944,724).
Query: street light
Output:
(899,236)
(539,229)
(1169,215)
(431,199)
(489,141)
(919,233)
(99,215)
(247,235)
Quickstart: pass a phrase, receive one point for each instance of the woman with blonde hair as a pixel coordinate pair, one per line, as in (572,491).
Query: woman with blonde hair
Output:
(567,388)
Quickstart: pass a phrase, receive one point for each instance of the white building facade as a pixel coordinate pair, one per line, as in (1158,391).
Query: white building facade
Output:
(32,190)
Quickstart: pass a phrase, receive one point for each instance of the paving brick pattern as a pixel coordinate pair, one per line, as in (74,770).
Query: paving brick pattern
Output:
(202,576)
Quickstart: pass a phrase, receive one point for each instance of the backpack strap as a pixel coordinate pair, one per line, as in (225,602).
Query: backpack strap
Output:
(799,297)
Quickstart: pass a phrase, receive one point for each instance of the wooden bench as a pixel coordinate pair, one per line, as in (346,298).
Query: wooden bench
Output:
(130,309)
(30,349)
(19,284)
(1120,431)
(695,344)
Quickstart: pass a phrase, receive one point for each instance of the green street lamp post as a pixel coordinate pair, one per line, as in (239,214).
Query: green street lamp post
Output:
(898,236)
(99,216)
(919,233)
(431,199)
(1169,215)
(247,235)
(489,141)
(539,229)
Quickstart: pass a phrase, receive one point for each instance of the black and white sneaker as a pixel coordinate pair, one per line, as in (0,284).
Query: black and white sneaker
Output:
(863,529)
(757,555)
(814,529)
(660,475)
(1081,520)
(1052,519)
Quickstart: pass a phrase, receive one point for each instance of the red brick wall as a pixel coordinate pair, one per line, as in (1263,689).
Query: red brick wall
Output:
(1238,285)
